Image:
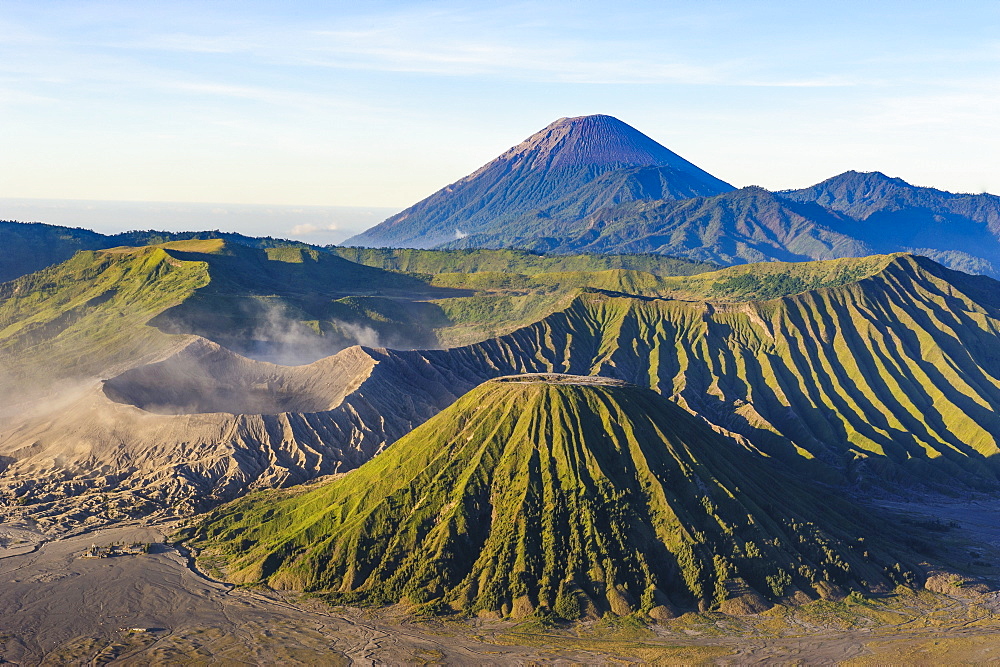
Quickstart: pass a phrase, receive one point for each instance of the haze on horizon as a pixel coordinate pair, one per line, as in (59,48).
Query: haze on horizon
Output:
(319,225)
(339,105)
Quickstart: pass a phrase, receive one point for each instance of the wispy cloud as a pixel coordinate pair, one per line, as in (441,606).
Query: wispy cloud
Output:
(518,42)
(967,109)
(13,96)
(285,97)
(192,43)
(562,63)
(307,229)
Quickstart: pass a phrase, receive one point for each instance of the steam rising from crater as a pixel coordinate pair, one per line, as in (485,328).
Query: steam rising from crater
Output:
(274,332)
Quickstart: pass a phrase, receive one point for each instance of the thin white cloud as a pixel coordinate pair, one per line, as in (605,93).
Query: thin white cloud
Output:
(519,42)
(189,43)
(423,49)
(276,96)
(13,96)
(309,228)
(965,109)
(461,42)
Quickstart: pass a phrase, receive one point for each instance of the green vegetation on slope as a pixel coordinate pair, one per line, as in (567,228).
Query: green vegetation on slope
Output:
(895,376)
(889,366)
(88,315)
(294,305)
(513,261)
(770,280)
(748,282)
(503,302)
(572,495)
(32,246)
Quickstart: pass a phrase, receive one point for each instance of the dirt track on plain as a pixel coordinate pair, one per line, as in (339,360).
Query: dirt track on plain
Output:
(58,608)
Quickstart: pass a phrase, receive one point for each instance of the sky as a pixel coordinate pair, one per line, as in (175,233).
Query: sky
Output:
(376,105)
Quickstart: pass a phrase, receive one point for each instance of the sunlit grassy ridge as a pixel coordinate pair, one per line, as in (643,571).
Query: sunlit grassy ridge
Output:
(254,299)
(504,301)
(894,376)
(89,313)
(262,302)
(746,282)
(32,246)
(558,494)
(411,260)
(769,280)
(856,368)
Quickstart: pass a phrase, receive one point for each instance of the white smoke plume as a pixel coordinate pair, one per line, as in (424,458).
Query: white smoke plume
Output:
(282,338)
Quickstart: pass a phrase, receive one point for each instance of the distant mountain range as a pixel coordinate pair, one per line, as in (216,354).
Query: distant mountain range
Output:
(27,247)
(593,184)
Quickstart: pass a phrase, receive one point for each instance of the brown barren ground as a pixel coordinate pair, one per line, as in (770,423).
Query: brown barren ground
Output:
(58,608)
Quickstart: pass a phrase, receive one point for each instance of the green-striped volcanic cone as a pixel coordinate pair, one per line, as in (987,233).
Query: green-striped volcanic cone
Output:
(570,494)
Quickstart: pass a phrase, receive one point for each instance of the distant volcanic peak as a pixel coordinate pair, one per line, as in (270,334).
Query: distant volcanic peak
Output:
(564,165)
(595,141)
(852,188)
(865,177)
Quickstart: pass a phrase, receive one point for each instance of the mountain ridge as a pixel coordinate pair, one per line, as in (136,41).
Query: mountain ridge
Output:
(873,373)
(32,246)
(850,215)
(548,166)
(629,194)
(747,225)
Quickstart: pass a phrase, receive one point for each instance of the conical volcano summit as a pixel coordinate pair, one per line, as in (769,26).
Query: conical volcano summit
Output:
(598,141)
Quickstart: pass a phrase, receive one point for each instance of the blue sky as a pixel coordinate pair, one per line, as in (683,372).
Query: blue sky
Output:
(381,103)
